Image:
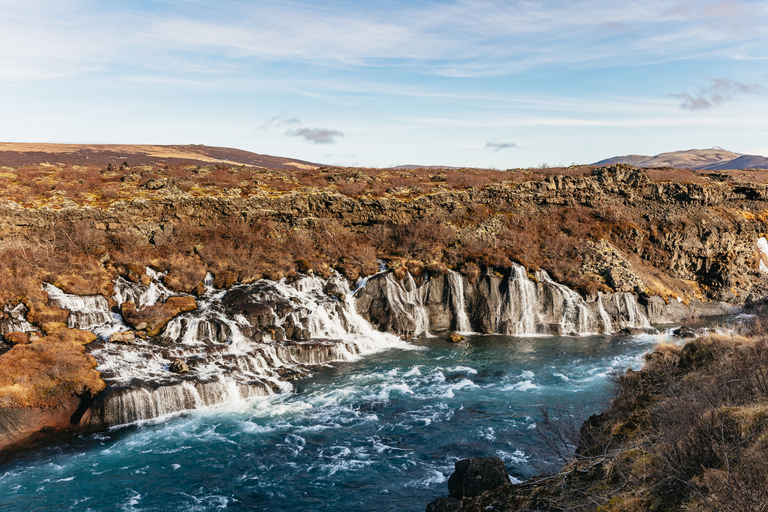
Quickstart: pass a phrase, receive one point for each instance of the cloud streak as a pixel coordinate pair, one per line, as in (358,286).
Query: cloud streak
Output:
(716,94)
(279,122)
(316,135)
(455,38)
(498,146)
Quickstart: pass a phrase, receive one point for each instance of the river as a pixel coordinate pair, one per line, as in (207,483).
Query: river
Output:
(378,433)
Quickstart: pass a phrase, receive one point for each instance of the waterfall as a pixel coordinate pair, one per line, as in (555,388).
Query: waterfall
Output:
(517,313)
(575,316)
(406,301)
(230,343)
(456,282)
(520,304)
(15,319)
(604,317)
(252,339)
(89,313)
(143,295)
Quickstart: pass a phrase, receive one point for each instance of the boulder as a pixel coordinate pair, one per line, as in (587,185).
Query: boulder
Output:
(179,366)
(17,338)
(445,504)
(476,475)
(685,332)
(154,318)
(122,337)
(455,337)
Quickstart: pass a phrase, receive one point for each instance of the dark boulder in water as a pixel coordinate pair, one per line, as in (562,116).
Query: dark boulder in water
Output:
(685,332)
(445,504)
(179,366)
(475,475)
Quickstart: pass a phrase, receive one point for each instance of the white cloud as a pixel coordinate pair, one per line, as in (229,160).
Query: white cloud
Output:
(498,146)
(459,38)
(316,135)
(716,94)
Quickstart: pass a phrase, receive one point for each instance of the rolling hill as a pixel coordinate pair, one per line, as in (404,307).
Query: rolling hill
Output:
(699,159)
(22,153)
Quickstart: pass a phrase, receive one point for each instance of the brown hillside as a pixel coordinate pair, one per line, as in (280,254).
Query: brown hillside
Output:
(23,153)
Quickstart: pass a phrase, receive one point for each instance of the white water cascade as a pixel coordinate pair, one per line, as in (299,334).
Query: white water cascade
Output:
(15,319)
(456,282)
(406,301)
(246,341)
(252,339)
(519,304)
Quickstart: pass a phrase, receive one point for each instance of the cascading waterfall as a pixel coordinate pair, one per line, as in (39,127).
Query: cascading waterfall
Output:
(575,316)
(407,303)
(456,282)
(517,310)
(15,319)
(607,325)
(239,343)
(519,304)
(142,295)
(251,339)
(90,313)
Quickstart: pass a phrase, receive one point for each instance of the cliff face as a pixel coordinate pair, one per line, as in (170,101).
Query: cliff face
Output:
(616,228)
(564,255)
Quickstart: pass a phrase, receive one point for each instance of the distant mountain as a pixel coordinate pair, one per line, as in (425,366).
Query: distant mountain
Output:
(742,162)
(23,153)
(715,158)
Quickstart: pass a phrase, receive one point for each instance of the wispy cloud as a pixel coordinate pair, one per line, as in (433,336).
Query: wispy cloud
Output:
(498,146)
(297,129)
(716,94)
(316,135)
(279,122)
(454,38)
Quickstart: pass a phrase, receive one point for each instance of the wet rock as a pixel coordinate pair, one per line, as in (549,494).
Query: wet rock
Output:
(476,475)
(634,331)
(445,504)
(122,337)
(336,289)
(179,366)
(685,332)
(289,374)
(455,337)
(278,333)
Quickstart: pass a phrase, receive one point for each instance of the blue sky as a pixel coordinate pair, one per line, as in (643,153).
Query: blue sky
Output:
(464,83)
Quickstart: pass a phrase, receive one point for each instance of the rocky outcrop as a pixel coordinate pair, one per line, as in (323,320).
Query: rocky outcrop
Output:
(470,478)
(676,233)
(153,319)
(46,387)
(476,475)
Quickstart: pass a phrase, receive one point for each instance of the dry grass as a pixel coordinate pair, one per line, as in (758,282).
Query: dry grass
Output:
(48,372)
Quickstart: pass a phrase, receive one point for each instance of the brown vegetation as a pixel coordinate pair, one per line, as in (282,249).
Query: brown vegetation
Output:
(49,371)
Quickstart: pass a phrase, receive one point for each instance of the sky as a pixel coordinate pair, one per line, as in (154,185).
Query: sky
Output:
(499,84)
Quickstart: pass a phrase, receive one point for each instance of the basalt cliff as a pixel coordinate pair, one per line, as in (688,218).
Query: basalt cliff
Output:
(133,292)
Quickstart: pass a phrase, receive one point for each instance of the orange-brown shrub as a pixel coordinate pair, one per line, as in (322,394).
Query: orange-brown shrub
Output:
(47,373)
